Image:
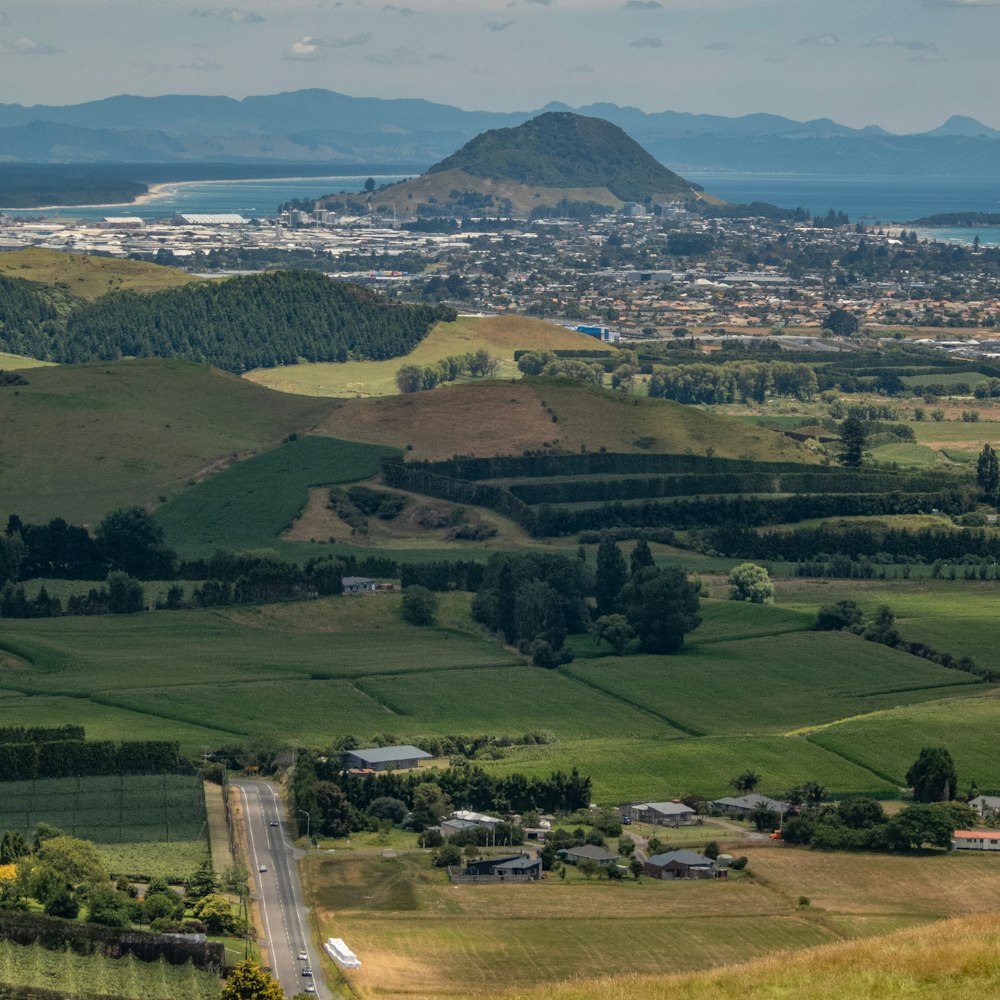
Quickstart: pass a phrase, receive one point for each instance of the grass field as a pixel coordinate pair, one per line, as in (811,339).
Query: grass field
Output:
(251,503)
(174,860)
(13,362)
(92,975)
(89,277)
(500,335)
(935,433)
(419,937)
(122,809)
(130,432)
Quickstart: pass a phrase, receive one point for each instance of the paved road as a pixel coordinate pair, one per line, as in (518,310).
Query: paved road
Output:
(278,891)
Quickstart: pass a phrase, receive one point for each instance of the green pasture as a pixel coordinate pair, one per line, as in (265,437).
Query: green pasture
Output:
(947,379)
(889,742)
(249,504)
(957,431)
(116,809)
(94,975)
(909,456)
(13,362)
(625,769)
(130,432)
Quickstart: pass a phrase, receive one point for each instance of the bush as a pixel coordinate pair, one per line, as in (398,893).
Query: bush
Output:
(419,605)
(445,855)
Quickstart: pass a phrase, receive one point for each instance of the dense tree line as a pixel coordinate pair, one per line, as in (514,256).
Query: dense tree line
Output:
(234,258)
(69,758)
(733,381)
(256,321)
(475,364)
(460,574)
(40,734)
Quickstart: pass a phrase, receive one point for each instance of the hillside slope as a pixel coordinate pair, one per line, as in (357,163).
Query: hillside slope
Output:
(508,418)
(953,960)
(79,441)
(500,335)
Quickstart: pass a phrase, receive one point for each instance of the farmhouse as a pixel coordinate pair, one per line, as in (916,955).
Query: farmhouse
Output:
(681,864)
(588,852)
(357,584)
(986,805)
(746,804)
(476,819)
(976,840)
(384,758)
(449,827)
(519,867)
(665,813)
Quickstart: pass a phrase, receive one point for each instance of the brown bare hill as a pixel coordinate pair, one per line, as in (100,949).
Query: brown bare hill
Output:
(508,418)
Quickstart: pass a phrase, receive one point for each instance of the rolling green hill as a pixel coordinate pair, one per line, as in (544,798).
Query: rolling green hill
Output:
(81,440)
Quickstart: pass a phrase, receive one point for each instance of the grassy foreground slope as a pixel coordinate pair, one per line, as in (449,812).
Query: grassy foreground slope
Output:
(87,277)
(508,418)
(500,335)
(129,432)
(955,960)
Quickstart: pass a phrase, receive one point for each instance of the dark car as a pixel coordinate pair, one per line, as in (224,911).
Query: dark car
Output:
(307,972)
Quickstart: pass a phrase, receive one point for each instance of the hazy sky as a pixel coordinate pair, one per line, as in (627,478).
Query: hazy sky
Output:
(903,64)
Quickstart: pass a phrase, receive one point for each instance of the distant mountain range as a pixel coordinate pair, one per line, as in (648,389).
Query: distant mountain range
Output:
(321,126)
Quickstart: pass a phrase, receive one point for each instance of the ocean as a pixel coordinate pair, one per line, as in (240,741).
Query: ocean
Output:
(868,200)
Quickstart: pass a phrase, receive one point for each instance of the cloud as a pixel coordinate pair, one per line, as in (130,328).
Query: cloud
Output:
(928,57)
(391,8)
(498,25)
(965,3)
(581,70)
(826,40)
(646,43)
(720,46)
(346,43)
(4,19)
(642,5)
(891,41)
(234,15)
(398,57)
(541,3)
(204,65)
(306,49)
(28,47)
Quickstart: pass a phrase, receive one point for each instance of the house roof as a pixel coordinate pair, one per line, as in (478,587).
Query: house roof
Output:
(522,863)
(458,824)
(688,858)
(481,819)
(593,852)
(667,808)
(993,801)
(977,834)
(382,755)
(356,581)
(751,801)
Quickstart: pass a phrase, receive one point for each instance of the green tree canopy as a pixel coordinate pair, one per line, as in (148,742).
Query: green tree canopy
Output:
(419,605)
(750,582)
(932,775)
(988,474)
(248,981)
(662,606)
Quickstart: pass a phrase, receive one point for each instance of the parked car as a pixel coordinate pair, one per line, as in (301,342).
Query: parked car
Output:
(263,868)
(307,971)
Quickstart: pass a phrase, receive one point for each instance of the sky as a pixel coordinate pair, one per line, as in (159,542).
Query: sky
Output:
(906,65)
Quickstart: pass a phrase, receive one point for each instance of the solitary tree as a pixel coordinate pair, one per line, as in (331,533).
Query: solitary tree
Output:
(662,606)
(419,605)
(841,322)
(611,575)
(988,474)
(932,775)
(853,435)
(746,782)
(750,582)
(248,981)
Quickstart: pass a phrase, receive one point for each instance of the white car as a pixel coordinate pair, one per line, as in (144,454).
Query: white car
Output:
(303,957)
(309,989)
(262,869)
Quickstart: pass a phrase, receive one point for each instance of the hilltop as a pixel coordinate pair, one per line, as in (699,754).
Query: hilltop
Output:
(500,335)
(508,418)
(556,157)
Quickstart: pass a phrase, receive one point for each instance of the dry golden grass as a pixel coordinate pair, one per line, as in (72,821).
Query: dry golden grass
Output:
(89,277)
(508,418)
(500,335)
(957,960)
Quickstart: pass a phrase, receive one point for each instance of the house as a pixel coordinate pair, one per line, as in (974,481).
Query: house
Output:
(986,805)
(589,852)
(976,840)
(673,813)
(476,819)
(743,805)
(384,758)
(519,866)
(681,864)
(449,827)
(357,584)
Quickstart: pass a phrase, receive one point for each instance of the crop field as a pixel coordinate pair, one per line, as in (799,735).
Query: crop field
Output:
(890,741)
(624,769)
(130,432)
(110,810)
(416,935)
(769,684)
(500,335)
(249,504)
(173,860)
(93,975)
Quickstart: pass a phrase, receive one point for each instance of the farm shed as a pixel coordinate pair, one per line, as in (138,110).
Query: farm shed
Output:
(681,864)
(976,840)
(665,813)
(986,805)
(384,758)
(588,852)
(357,584)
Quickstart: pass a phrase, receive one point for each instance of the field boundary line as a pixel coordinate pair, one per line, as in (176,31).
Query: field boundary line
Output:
(679,726)
(896,781)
